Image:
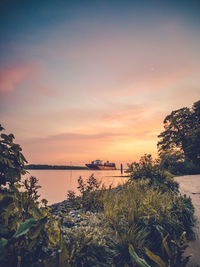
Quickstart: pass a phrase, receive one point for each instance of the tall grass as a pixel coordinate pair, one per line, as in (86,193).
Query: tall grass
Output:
(142,225)
(142,216)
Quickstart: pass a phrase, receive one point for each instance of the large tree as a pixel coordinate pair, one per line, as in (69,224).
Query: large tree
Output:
(182,132)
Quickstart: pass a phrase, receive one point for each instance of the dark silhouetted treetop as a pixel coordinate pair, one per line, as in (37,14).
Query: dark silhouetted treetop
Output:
(182,131)
(11,160)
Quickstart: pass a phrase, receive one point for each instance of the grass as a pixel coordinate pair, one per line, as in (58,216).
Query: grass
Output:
(155,223)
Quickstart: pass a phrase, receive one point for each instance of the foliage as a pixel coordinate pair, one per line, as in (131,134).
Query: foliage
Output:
(29,234)
(142,217)
(182,131)
(91,184)
(173,161)
(153,171)
(170,158)
(144,223)
(139,261)
(91,198)
(11,160)
(174,256)
(183,168)
(27,229)
(73,200)
(146,219)
(90,246)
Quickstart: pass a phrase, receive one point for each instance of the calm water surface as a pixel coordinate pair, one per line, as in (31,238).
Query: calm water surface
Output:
(56,183)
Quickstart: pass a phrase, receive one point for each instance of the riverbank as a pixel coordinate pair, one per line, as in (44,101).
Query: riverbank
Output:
(190,185)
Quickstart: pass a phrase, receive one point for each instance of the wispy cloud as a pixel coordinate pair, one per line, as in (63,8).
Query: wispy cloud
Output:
(11,77)
(96,83)
(112,143)
(126,113)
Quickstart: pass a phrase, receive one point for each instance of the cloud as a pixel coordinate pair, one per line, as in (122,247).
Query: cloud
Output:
(69,138)
(59,148)
(158,80)
(129,63)
(45,90)
(11,77)
(112,144)
(126,113)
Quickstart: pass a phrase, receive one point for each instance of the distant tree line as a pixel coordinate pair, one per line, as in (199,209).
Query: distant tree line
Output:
(52,167)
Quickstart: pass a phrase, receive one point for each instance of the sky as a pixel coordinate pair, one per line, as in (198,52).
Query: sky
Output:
(86,80)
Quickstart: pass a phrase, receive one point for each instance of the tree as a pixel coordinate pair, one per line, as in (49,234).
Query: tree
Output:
(11,160)
(196,114)
(25,226)
(182,132)
(170,158)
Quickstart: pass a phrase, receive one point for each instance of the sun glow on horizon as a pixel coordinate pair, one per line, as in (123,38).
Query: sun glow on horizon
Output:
(95,80)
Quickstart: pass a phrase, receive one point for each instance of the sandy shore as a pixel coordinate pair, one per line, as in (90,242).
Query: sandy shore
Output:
(190,185)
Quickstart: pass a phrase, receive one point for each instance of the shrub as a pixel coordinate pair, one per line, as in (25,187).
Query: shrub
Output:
(185,168)
(143,217)
(141,224)
(29,234)
(90,246)
(145,222)
(11,161)
(174,162)
(91,198)
(148,221)
(152,170)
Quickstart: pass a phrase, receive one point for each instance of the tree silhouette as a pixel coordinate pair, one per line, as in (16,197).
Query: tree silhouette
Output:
(182,132)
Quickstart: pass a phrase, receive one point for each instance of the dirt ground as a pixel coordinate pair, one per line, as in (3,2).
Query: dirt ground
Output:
(190,185)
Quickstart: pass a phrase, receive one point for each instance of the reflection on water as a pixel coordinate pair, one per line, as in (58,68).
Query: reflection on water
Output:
(56,183)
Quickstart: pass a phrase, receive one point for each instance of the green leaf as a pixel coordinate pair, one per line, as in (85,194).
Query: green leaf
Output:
(36,230)
(155,258)
(36,212)
(24,227)
(140,262)
(165,245)
(3,243)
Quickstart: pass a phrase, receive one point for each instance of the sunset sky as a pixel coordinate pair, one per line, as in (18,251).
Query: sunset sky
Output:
(86,80)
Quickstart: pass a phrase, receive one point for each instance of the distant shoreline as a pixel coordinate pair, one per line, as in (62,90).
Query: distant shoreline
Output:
(53,167)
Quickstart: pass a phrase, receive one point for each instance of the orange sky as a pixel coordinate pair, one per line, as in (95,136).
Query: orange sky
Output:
(95,81)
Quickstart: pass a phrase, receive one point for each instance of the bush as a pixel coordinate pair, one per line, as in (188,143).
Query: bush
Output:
(152,170)
(91,198)
(29,234)
(143,217)
(145,222)
(11,161)
(90,246)
(184,168)
(174,162)
(140,224)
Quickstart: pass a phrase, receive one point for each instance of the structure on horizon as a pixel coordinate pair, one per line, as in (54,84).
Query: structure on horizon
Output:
(99,165)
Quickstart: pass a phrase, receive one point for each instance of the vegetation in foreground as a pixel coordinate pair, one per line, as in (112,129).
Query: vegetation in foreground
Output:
(29,233)
(145,222)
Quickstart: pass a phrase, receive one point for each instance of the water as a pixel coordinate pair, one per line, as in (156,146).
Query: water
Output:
(56,183)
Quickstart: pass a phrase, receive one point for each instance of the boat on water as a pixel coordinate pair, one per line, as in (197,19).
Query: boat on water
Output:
(99,165)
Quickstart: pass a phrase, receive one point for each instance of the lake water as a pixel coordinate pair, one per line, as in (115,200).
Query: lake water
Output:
(56,183)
